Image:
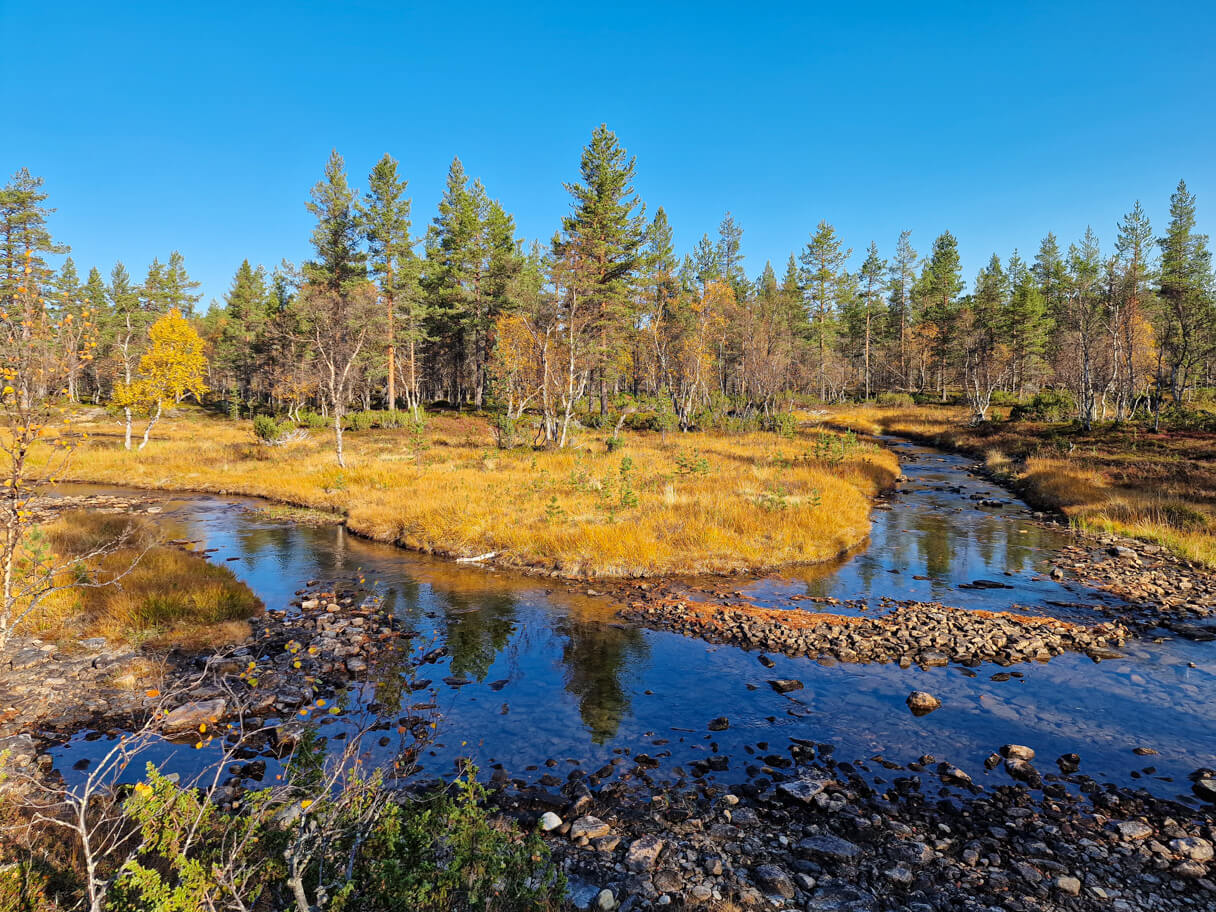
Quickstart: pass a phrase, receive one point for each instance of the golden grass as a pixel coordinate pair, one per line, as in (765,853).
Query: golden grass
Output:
(756,501)
(1158,488)
(170,598)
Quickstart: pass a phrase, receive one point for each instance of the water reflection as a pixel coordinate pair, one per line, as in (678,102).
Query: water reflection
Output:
(598,657)
(552,674)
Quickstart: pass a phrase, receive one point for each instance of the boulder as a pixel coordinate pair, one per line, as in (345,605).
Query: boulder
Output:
(198,712)
(922,703)
(643,853)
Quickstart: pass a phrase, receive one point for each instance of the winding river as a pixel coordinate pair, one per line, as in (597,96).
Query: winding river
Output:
(555,676)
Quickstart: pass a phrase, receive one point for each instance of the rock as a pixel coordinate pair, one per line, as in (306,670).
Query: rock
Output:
(588,827)
(192,715)
(898,874)
(549,821)
(933,659)
(1017,752)
(667,881)
(774,881)
(1022,771)
(584,897)
(606,900)
(1205,788)
(1189,869)
(803,790)
(1134,830)
(355,664)
(643,853)
(1192,847)
(606,843)
(1068,763)
(719,724)
(922,703)
(1066,883)
(18,750)
(841,897)
(828,846)
(785,685)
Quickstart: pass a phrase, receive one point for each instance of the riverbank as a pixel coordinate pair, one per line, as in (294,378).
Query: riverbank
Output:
(1158,488)
(654,505)
(810,831)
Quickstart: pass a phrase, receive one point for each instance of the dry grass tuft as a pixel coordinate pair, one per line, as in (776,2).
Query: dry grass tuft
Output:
(685,504)
(170,598)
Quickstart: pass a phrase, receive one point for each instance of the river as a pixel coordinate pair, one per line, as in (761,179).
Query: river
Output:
(555,676)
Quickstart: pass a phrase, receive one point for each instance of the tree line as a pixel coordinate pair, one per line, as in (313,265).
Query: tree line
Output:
(466,314)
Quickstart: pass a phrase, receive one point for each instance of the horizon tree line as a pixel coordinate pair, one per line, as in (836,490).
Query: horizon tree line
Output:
(466,314)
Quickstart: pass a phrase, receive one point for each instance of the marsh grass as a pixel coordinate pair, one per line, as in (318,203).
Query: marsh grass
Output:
(583,511)
(170,598)
(1123,480)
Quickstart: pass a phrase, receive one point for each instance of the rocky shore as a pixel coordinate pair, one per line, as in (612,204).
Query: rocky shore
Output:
(809,832)
(297,662)
(907,633)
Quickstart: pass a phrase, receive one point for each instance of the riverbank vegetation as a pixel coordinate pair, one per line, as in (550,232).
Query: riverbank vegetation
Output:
(1119,477)
(633,503)
(143,591)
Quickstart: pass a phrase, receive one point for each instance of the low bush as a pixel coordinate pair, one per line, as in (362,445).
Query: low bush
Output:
(265,429)
(1046,405)
(895,400)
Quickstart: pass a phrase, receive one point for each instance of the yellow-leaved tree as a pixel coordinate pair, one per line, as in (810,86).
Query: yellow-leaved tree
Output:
(172,368)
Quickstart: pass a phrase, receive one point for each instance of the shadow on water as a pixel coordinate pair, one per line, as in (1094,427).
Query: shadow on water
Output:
(540,672)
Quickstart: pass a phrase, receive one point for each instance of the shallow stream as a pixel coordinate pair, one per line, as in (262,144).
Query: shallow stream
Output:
(555,675)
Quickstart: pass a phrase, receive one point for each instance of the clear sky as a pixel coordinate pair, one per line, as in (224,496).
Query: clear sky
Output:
(202,126)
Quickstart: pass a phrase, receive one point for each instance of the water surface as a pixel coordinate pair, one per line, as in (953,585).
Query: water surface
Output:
(556,676)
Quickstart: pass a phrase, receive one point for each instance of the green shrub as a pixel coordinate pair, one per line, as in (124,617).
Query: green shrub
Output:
(359,421)
(265,428)
(895,400)
(1004,398)
(613,443)
(783,424)
(314,420)
(506,431)
(1046,405)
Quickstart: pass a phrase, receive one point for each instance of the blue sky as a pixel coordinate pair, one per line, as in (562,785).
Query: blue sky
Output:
(201,127)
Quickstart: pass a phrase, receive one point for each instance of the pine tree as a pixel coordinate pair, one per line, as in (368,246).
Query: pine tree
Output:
(1026,323)
(453,262)
(940,283)
(604,232)
(23,230)
(901,280)
(385,214)
(823,277)
(179,291)
(870,299)
(1083,315)
(1133,247)
(339,262)
(1186,318)
(242,328)
(730,255)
